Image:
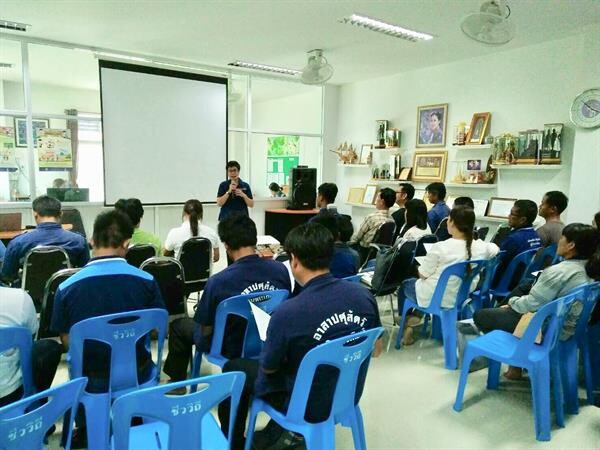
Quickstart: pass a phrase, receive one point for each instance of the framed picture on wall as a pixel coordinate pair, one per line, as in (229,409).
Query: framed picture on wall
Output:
(355,195)
(429,165)
(369,194)
(405,174)
(500,207)
(21,131)
(431,125)
(365,154)
(479,127)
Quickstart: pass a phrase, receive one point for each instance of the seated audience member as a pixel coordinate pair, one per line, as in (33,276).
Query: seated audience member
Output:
(436,193)
(552,206)
(345,260)
(345,227)
(2,252)
(459,247)
(596,220)
(46,212)
(192,226)
(366,233)
(405,192)
(276,190)
(133,209)
(292,333)
(464,201)
(17,310)
(415,222)
(249,273)
(326,194)
(576,245)
(106,285)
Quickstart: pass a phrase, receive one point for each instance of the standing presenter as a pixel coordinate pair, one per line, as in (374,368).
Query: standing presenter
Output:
(234,195)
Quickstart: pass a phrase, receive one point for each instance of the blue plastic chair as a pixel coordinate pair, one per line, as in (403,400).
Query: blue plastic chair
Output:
(347,354)
(544,257)
(19,338)
(121,332)
(354,278)
(239,306)
(177,422)
(23,424)
(481,298)
(519,262)
(502,347)
(568,352)
(447,316)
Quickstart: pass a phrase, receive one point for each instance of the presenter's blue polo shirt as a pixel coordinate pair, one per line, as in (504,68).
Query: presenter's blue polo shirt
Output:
(234,203)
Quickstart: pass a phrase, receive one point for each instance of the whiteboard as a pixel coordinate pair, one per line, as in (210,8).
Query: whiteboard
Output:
(164,134)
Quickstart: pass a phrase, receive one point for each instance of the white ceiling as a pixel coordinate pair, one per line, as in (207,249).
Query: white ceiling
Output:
(278,32)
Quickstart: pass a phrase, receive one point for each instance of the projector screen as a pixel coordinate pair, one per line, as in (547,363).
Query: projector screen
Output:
(164,134)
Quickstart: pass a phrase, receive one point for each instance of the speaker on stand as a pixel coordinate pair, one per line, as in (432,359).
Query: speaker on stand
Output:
(303,188)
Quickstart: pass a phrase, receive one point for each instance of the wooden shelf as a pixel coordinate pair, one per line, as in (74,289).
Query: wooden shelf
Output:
(361,205)
(371,181)
(474,146)
(492,219)
(356,166)
(472,185)
(388,150)
(527,166)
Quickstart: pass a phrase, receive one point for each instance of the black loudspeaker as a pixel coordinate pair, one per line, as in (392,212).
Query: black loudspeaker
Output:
(303,188)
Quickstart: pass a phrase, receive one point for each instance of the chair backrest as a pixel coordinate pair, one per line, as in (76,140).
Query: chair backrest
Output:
(543,258)
(458,270)
(420,247)
(183,414)
(268,301)
(73,216)
(196,258)
(441,231)
(39,265)
(491,266)
(137,254)
(548,320)
(481,233)
(121,332)
(385,233)
(590,298)
(19,338)
(48,301)
(23,424)
(347,354)
(519,264)
(168,273)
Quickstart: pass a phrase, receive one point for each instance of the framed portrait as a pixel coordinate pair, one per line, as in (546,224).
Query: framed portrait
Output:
(369,194)
(355,195)
(431,125)
(365,154)
(21,133)
(429,165)
(500,207)
(405,173)
(551,143)
(474,164)
(479,127)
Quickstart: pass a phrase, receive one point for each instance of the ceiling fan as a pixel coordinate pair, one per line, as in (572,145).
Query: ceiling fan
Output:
(317,70)
(490,25)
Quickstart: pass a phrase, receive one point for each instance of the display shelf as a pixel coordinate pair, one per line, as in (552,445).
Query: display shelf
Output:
(361,205)
(388,150)
(472,185)
(474,146)
(372,181)
(492,219)
(355,165)
(527,166)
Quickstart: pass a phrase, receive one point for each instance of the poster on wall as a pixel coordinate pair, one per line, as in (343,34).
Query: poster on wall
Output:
(8,162)
(54,149)
(283,153)
(21,130)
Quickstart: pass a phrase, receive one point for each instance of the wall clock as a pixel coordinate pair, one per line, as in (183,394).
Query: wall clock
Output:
(585,110)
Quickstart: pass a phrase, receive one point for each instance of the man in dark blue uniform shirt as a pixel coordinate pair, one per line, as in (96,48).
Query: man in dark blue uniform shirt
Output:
(327,308)
(326,194)
(436,193)
(234,195)
(345,261)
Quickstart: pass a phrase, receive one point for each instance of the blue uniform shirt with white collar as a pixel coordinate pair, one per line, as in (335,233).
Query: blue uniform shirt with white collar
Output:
(436,214)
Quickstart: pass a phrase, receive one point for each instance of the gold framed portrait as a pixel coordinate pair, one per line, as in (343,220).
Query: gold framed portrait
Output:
(429,165)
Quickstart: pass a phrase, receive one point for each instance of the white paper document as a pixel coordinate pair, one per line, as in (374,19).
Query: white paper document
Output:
(420,259)
(367,278)
(427,246)
(262,320)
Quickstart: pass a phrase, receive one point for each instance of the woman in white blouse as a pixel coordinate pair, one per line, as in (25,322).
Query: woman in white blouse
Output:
(191,227)
(459,247)
(415,217)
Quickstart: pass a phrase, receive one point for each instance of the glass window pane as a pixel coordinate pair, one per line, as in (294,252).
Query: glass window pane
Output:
(11,75)
(237,102)
(236,144)
(14,182)
(285,106)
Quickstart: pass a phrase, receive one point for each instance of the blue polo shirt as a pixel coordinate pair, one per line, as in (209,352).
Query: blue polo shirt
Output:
(234,203)
(104,286)
(324,211)
(46,233)
(517,241)
(327,308)
(436,214)
(345,261)
(245,276)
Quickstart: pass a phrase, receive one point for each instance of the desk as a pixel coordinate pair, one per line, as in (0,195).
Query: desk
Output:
(8,235)
(279,222)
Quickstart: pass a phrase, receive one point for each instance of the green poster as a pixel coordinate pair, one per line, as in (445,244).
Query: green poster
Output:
(283,153)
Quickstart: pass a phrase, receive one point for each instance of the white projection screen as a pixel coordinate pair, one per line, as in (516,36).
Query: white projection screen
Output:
(164,134)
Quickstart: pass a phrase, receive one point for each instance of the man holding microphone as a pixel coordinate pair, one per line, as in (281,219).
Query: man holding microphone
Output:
(234,195)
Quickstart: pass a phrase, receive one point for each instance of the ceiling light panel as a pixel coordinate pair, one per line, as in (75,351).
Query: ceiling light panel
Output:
(386,28)
(13,26)
(265,68)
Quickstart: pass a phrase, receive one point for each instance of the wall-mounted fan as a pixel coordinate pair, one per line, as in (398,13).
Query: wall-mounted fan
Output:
(318,70)
(490,25)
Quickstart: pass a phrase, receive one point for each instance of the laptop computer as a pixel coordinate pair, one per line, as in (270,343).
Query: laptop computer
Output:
(69,194)
(10,221)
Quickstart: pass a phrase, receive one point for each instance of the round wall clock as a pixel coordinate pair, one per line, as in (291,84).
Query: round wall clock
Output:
(585,110)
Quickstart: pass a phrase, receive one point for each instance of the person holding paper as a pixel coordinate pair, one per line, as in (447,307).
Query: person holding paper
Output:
(296,327)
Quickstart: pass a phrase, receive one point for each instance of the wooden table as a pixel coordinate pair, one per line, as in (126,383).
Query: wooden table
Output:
(8,235)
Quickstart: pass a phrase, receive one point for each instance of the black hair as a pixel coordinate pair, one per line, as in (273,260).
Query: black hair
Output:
(463,219)
(330,221)
(233,164)
(388,195)
(46,206)
(587,246)
(237,230)
(436,114)
(527,209)
(438,189)
(328,191)
(557,200)
(111,229)
(345,227)
(597,219)
(416,214)
(312,244)
(464,201)
(193,208)
(274,187)
(132,207)
(408,189)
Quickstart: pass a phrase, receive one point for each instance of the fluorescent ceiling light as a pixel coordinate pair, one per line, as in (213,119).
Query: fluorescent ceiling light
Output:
(4,65)
(13,26)
(386,28)
(265,67)
(120,56)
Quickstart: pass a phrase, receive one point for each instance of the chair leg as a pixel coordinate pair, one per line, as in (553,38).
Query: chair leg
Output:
(251,425)
(401,326)
(568,373)
(97,421)
(584,352)
(320,437)
(462,382)
(358,430)
(448,323)
(493,374)
(557,388)
(539,375)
